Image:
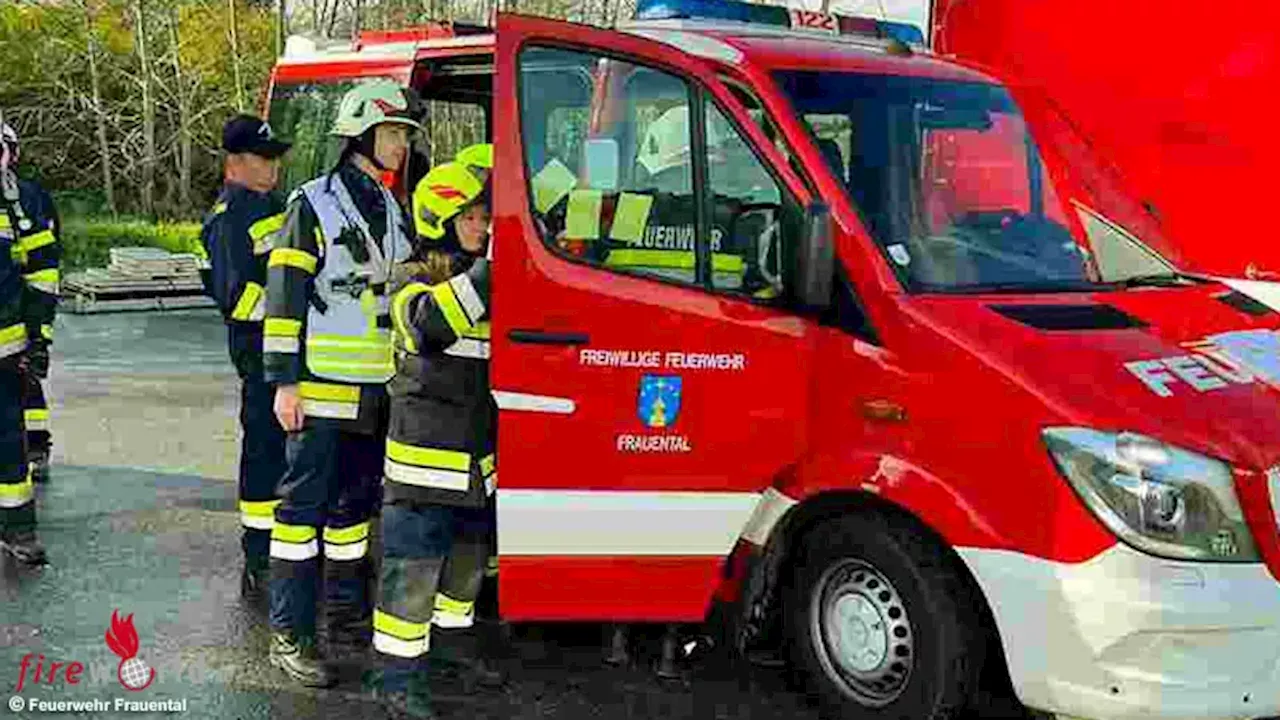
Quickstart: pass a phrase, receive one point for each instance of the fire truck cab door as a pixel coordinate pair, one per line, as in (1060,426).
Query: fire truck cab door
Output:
(650,384)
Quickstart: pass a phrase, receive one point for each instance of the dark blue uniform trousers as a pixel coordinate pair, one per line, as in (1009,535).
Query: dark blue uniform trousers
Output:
(417,540)
(327,495)
(262,466)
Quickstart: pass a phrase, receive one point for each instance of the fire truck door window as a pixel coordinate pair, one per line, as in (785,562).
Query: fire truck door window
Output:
(752,220)
(303,114)
(631,129)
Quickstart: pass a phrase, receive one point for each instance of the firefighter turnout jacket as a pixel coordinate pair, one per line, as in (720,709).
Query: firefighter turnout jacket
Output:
(441,442)
(327,326)
(29,274)
(238,235)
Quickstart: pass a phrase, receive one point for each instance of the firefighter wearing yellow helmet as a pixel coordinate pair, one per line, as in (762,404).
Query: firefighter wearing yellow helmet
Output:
(438,515)
(327,351)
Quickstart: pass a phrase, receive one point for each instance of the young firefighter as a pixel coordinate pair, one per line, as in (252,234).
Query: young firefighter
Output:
(28,301)
(438,515)
(237,237)
(327,347)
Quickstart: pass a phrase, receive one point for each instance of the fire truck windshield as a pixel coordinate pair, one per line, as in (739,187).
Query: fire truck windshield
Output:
(947,179)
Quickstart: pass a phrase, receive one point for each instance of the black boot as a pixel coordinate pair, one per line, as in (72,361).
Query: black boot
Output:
(38,459)
(24,547)
(469,652)
(667,668)
(254,582)
(299,660)
(617,653)
(414,701)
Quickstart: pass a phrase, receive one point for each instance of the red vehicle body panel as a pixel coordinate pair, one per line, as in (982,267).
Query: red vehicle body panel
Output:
(1175,99)
(974,389)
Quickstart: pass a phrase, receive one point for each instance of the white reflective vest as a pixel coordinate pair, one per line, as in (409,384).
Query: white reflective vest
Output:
(350,341)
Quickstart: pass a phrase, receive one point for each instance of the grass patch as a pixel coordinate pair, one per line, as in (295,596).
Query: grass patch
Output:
(86,241)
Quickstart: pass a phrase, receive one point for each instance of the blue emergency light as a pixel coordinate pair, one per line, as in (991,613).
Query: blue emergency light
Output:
(778,17)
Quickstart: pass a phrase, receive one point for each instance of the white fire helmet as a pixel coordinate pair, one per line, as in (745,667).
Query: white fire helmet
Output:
(8,144)
(666,142)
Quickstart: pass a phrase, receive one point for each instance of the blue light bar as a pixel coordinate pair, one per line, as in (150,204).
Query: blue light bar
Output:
(777,17)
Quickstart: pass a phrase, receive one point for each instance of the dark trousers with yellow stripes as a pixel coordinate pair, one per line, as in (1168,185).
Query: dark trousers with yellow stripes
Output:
(262,466)
(433,565)
(17,496)
(35,413)
(327,496)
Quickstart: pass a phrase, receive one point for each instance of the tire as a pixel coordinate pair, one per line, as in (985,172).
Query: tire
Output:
(881,622)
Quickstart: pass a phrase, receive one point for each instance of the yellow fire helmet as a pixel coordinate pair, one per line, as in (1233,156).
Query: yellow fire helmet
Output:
(442,193)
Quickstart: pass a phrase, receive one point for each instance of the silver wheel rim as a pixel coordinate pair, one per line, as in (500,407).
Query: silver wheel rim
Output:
(861,632)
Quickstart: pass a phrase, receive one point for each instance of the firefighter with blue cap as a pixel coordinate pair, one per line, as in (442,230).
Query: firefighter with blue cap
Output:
(237,238)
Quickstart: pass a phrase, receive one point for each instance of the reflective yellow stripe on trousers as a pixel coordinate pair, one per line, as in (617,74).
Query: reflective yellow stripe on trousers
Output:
(294,542)
(399,637)
(349,543)
(451,613)
(259,514)
(16,495)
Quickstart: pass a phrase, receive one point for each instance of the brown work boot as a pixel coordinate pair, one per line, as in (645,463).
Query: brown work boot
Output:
(299,659)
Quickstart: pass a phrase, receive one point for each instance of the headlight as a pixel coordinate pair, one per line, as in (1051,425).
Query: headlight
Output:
(1160,499)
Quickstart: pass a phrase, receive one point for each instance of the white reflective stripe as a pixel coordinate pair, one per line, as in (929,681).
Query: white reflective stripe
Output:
(348,551)
(278,344)
(574,522)
(426,477)
(491,484)
(256,522)
(259,310)
(533,403)
(772,506)
(449,620)
(43,286)
(469,348)
(36,425)
(468,297)
(13,348)
(296,552)
(335,410)
(390,645)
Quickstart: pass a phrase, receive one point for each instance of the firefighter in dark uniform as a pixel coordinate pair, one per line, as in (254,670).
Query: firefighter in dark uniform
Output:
(28,303)
(327,350)
(238,235)
(438,514)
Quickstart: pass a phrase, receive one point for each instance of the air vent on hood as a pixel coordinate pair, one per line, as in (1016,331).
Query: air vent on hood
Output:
(1244,303)
(1069,317)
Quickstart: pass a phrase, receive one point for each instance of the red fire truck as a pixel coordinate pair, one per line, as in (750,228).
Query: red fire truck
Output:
(808,333)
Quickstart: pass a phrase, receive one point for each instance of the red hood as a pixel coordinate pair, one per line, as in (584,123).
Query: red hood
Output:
(1080,376)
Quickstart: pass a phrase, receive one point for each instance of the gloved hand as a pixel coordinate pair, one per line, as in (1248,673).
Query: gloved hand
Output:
(36,358)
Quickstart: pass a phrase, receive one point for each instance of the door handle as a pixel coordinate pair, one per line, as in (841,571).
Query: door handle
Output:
(543,337)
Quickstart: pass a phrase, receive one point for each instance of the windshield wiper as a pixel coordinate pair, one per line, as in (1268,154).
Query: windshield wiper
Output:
(1170,279)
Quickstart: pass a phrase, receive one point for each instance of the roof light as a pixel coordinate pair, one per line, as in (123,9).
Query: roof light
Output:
(777,17)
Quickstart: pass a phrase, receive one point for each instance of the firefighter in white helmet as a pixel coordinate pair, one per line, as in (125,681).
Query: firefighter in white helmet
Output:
(438,514)
(28,301)
(327,350)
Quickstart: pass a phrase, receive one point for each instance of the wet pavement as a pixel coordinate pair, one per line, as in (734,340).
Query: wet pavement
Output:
(140,516)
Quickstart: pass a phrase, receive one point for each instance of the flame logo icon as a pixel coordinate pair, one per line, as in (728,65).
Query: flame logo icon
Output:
(133,674)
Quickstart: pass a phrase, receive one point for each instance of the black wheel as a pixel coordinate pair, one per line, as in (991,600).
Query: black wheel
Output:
(881,622)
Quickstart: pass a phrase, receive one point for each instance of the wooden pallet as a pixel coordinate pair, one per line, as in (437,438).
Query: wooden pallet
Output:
(136,279)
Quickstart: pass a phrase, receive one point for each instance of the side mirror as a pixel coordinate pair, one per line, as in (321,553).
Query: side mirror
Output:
(816,262)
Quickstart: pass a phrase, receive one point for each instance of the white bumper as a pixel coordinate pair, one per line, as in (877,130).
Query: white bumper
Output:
(1125,636)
